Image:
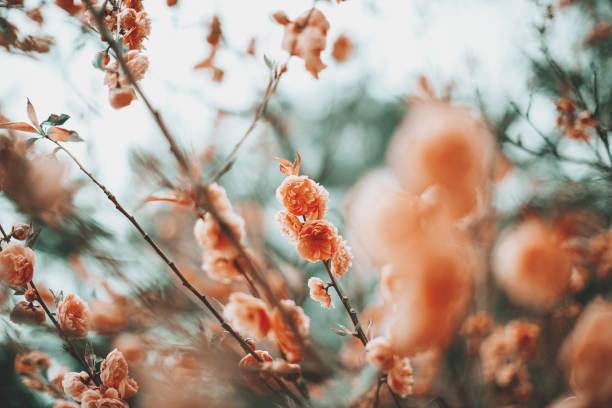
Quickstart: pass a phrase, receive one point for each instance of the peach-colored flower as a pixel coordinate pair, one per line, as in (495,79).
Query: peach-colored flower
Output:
(531,264)
(107,317)
(109,399)
(283,333)
(400,378)
(290,225)
(318,240)
(475,328)
(120,97)
(221,268)
(16,264)
(114,373)
(138,63)
(254,378)
(29,313)
(248,315)
(61,403)
(218,197)
(341,260)
(139,31)
(130,345)
(305,37)
(318,292)
(211,237)
(19,231)
(440,144)
(301,196)
(73,316)
(587,354)
(31,362)
(75,384)
(380,354)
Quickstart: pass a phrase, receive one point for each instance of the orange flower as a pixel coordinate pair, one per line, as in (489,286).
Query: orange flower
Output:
(305,37)
(61,403)
(302,196)
(210,236)
(75,384)
(531,264)
(120,97)
(440,144)
(16,264)
(290,225)
(283,333)
(400,379)
(130,345)
(318,292)
(139,31)
(380,354)
(107,317)
(587,353)
(114,373)
(248,315)
(220,268)
(73,316)
(318,240)
(341,260)
(254,378)
(31,362)
(108,399)
(475,328)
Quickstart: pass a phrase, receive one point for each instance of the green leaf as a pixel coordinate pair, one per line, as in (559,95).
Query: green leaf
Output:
(55,120)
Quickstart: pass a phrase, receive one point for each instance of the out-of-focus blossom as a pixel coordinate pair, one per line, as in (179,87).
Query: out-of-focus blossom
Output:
(211,237)
(31,362)
(444,145)
(380,354)
(475,328)
(108,399)
(283,333)
(305,37)
(532,265)
(61,403)
(131,346)
(16,264)
(587,354)
(73,316)
(107,317)
(248,315)
(400,378)
(318,292)
(343,48)
(255,378)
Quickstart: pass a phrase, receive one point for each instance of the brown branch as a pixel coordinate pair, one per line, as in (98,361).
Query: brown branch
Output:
(359,333)
(69,346)
(201,297)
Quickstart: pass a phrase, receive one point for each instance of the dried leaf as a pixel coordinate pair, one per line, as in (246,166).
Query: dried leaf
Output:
(32,114)
(22,126)
(177,198)
(63,135)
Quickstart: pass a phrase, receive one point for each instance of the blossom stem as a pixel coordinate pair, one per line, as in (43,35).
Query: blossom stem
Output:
(69,346)
(359,333)
(201,297)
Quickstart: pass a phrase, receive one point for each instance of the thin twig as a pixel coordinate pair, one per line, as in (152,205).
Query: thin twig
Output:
(69,346)
(201,297)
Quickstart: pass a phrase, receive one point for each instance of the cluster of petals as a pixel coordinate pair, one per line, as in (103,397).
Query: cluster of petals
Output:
(73,316)
(587,355)
(31,362)
(319,293)
(114,374)
(532,264)
(16,265)
(121,93)
(505,351)
(305,37)
(283,333)
(221,259)
(380,354)
(248,315)
(316,239)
